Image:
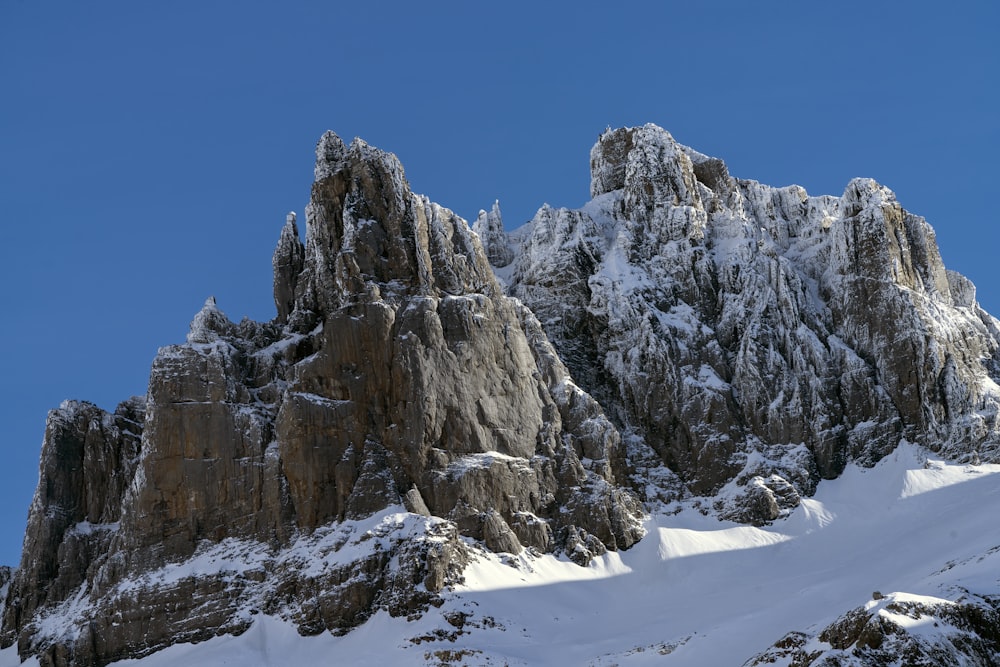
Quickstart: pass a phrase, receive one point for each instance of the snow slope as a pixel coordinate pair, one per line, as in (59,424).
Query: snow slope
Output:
(694,591)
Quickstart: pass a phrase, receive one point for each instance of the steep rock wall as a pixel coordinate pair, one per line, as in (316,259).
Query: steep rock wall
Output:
(328,463)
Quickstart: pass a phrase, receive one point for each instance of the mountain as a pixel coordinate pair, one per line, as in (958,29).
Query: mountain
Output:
(440,418)
(396,375)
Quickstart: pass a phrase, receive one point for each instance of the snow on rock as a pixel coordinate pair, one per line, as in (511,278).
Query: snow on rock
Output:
(894,629)
(865,572)
(210,324)
(223,587)
(496,243)
(802,394)
(721,320)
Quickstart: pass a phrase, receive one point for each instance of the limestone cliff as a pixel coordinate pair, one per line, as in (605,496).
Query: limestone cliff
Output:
(326,464)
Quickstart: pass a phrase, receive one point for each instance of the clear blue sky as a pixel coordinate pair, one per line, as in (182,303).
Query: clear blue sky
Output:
(150,151)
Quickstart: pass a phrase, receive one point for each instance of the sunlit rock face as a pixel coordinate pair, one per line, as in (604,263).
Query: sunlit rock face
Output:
(326,464)
(756,338)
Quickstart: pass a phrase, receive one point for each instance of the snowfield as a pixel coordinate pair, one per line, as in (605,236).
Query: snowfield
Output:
(694,591)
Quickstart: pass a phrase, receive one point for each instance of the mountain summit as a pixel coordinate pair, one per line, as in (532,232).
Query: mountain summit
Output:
(757,339)
(433,400)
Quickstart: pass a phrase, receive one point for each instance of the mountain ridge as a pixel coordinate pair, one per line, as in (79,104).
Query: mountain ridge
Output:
(401,417)
(773,320)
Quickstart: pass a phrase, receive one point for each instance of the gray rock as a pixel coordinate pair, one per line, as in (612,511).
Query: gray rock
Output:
(414,502)
(897,631)
(287,265)
(489,228)
(686,331)
(88,461)
(497,535)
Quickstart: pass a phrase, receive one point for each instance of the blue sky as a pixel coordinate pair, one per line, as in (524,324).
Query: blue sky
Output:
(150,151)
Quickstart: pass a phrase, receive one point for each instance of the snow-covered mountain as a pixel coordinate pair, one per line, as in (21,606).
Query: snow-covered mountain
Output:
(752,336)
(699,421)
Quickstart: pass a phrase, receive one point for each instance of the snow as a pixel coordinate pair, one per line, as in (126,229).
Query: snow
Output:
(463,464)
(329,546)
(230,556)
(694,591)
(708,379)
(88,528)
(685,542)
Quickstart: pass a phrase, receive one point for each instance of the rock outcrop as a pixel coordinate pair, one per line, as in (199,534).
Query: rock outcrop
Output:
(287,262)
(326,464)
(897,629)
(88,462)
(757,338)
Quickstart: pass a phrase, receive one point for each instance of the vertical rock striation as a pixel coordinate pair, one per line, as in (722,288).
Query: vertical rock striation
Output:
(88,459)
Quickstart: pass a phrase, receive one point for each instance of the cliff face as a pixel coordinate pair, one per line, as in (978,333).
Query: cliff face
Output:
(757,337)
(323,465)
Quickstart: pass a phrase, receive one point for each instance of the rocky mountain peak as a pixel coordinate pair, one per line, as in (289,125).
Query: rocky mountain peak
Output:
(886,241)
(646,164)
(398,403)
(330,150)
(757,338)
(368,236)
(489,228)
(687,337)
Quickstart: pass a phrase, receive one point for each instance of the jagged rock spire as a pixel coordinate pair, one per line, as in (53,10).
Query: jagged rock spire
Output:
(329,152)
(758,335)
(369,235)
(496,243)
(209,324)
(287,263)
